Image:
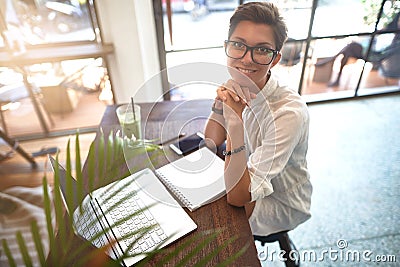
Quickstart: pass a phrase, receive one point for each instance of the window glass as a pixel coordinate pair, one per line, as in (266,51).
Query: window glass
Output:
(297,15)
(44,21)
(382,71)
(389,19)
(290,66)
(324,72)
(343,57)
(197,23)
(340,17)
(64,92)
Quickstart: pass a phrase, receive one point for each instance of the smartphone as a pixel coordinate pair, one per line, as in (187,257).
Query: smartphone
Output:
(188,144)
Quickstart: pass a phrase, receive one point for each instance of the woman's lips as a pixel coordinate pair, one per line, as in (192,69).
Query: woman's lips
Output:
(245,71)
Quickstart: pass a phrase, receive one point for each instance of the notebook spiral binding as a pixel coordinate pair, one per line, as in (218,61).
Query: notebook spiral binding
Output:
(175,190)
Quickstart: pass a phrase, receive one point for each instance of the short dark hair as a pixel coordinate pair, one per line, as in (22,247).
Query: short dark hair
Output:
(261,12)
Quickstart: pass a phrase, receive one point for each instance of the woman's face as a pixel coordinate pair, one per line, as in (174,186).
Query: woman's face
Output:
(253,34)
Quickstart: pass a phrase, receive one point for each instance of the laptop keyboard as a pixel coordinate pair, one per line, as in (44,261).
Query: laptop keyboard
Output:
(88,226)
(143,218)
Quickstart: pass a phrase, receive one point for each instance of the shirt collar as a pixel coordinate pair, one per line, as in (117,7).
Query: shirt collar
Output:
(267,91)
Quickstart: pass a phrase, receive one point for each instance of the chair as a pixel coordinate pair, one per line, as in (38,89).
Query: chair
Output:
(8,94)
(15,92)
(389,67)
(284,243)
(15,146)
(282,237)
(291,53)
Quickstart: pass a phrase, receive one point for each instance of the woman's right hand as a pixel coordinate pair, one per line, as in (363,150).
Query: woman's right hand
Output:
(232,104)
(236,91)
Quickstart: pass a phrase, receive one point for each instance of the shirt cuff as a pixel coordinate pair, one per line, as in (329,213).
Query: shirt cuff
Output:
(260,187)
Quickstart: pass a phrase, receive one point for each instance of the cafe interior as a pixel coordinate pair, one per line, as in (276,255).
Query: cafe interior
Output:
(67,64)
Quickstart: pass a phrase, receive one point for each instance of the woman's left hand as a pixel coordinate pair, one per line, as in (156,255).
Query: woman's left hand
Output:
(233,104)
(239,92)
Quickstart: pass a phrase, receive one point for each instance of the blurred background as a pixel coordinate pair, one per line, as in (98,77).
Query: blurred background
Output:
(74,94)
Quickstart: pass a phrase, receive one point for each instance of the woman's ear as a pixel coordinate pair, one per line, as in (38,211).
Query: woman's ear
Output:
(276,59)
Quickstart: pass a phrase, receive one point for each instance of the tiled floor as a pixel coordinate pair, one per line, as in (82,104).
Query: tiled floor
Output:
(354,161)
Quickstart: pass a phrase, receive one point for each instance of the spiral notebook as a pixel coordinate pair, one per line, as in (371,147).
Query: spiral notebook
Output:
(196,179)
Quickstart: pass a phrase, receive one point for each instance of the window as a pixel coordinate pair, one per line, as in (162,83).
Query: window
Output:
(311,58)
(47,22)
(66,84)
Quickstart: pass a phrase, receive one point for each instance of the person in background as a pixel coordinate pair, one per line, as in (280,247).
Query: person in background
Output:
(200,9)
(358,50)
(265,125)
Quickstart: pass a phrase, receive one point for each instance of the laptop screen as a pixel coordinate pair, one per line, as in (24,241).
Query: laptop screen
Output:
(63,183)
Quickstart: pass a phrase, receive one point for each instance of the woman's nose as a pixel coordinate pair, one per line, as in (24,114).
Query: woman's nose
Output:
(247,57)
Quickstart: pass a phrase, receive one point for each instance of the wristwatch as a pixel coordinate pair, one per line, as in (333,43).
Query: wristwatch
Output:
(219,111)
(236,150)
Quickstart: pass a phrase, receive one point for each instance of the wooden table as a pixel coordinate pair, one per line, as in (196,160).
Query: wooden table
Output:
(50,54)
(165,120)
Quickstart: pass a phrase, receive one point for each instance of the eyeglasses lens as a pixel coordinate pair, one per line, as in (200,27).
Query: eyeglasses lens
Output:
(260,55)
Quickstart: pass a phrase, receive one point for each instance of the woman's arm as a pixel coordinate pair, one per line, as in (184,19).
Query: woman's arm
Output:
(237,178)
(215,126)
(229,126)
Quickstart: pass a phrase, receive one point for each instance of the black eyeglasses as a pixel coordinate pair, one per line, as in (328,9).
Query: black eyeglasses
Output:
(259,54)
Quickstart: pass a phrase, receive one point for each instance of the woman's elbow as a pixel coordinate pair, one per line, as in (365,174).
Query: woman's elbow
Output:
(234,200)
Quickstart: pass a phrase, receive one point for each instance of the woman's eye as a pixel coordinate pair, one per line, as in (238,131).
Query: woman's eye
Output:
(263,50)
(238,44)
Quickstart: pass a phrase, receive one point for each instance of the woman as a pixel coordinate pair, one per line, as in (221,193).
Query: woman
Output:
(265,125)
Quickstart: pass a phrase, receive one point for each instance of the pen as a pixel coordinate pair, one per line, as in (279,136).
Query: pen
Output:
(172,139)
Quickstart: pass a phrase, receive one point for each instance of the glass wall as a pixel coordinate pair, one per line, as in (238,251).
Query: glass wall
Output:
(335,49)
(65,91)
(46,21)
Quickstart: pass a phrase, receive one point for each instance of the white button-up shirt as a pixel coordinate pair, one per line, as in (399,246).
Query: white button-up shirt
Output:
(276,135)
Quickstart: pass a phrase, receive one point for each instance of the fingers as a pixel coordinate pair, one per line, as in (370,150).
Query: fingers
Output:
(235,97)
(246,93)
(221,94)
(239,92)
(229,98)
(234,90)
(242,91)
(225,94)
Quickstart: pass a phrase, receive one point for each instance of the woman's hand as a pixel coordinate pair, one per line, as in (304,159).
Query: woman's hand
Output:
(242,91)
(232,105)
(238,92)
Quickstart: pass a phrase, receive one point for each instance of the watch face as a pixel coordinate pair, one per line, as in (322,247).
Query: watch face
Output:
(216,110)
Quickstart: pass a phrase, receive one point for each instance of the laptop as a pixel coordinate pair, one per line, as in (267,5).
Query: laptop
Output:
(141,193)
